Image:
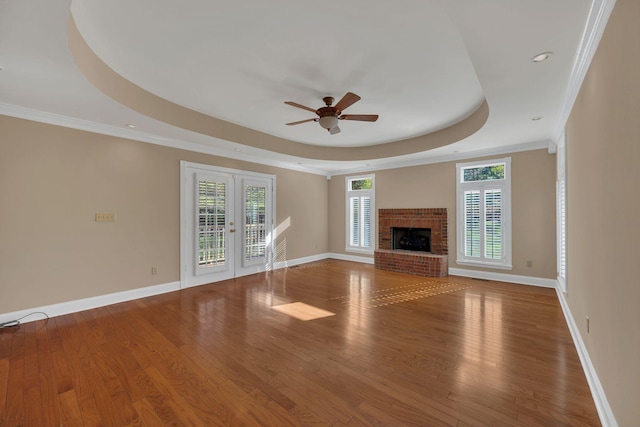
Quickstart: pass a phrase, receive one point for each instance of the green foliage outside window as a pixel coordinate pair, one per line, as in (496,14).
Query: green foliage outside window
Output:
(361,184)
(483,173)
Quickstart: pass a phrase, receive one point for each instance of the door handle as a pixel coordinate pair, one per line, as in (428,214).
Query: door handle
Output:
(233,230)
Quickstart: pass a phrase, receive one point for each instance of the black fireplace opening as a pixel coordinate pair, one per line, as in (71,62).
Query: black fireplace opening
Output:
(411,239)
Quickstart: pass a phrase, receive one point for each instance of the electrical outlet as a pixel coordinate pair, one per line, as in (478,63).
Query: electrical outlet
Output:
(529,263)
(105,217)
(154,271)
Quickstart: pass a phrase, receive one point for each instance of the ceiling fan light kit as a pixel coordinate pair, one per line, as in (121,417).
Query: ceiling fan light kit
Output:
(328,116)
(328,122)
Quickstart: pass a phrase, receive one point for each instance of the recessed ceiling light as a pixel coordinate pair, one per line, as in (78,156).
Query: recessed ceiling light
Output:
(130,126)
(541,57)
(536,118)
(238,149)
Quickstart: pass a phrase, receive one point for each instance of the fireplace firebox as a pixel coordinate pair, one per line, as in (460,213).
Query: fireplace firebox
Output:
(411,239)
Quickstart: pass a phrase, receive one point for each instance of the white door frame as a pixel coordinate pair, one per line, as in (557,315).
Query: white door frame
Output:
(187,171)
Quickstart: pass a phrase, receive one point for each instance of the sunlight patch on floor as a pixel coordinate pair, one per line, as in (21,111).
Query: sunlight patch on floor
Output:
(302,311)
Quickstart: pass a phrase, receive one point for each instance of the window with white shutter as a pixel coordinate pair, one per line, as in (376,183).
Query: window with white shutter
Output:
(484,213)
(360,213)
(561,210)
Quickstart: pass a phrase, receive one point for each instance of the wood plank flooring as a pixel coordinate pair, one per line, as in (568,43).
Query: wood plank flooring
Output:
(399,350)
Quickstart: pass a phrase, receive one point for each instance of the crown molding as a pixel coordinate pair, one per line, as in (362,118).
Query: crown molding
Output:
(594,28)
(89,126)
(531,146)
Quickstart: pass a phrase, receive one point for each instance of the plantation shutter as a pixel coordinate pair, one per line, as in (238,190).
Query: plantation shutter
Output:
(354,238)
(366,221)
(561,212)
(562,233)
(493,224)
(472,223)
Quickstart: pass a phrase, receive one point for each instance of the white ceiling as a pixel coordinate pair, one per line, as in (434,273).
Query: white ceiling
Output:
(421,65)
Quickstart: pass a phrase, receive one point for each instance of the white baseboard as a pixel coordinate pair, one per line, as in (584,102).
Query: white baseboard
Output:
(298,261)
(354,258)
(503,277)
(320,257)
(600,399)
(88,303)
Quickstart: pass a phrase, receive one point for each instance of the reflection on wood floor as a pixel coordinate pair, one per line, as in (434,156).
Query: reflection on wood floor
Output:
(399,350)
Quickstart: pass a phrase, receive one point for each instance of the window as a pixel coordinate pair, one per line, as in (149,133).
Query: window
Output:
(561,210)
(484,213)
(360,213)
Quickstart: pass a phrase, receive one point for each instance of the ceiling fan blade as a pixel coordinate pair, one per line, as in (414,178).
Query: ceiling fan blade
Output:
(360,117)
(295,104)
(301,121)
(346,101)
(334,130)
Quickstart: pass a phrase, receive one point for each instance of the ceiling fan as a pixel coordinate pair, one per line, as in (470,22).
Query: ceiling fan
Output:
(328,116)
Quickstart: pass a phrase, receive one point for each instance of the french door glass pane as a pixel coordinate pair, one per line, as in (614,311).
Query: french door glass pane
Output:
(255,222)
(211,223)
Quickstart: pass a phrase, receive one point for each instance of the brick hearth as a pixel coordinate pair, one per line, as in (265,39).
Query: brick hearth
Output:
(434,264)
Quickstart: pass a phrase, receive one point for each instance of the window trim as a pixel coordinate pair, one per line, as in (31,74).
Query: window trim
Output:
(505,186)
(372,194)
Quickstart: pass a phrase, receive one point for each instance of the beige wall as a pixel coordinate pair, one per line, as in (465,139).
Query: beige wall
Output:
(603,158)
(53,180)
(434,186)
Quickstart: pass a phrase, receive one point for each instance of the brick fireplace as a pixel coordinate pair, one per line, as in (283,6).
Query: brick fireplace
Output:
(434,263)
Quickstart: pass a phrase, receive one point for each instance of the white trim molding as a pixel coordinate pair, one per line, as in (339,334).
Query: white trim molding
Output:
(594,28)
(353,258)
(298,261)
(415,160)
(482,189)
(321,257)
(600,399)
(135,135)
(89,303)
(502,277)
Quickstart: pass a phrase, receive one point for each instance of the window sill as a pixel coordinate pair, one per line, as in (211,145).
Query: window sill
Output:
(484,264)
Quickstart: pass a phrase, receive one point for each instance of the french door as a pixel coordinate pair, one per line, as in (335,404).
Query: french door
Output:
(226,223)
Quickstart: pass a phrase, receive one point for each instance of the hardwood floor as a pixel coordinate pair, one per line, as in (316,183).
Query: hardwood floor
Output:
(398,350)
